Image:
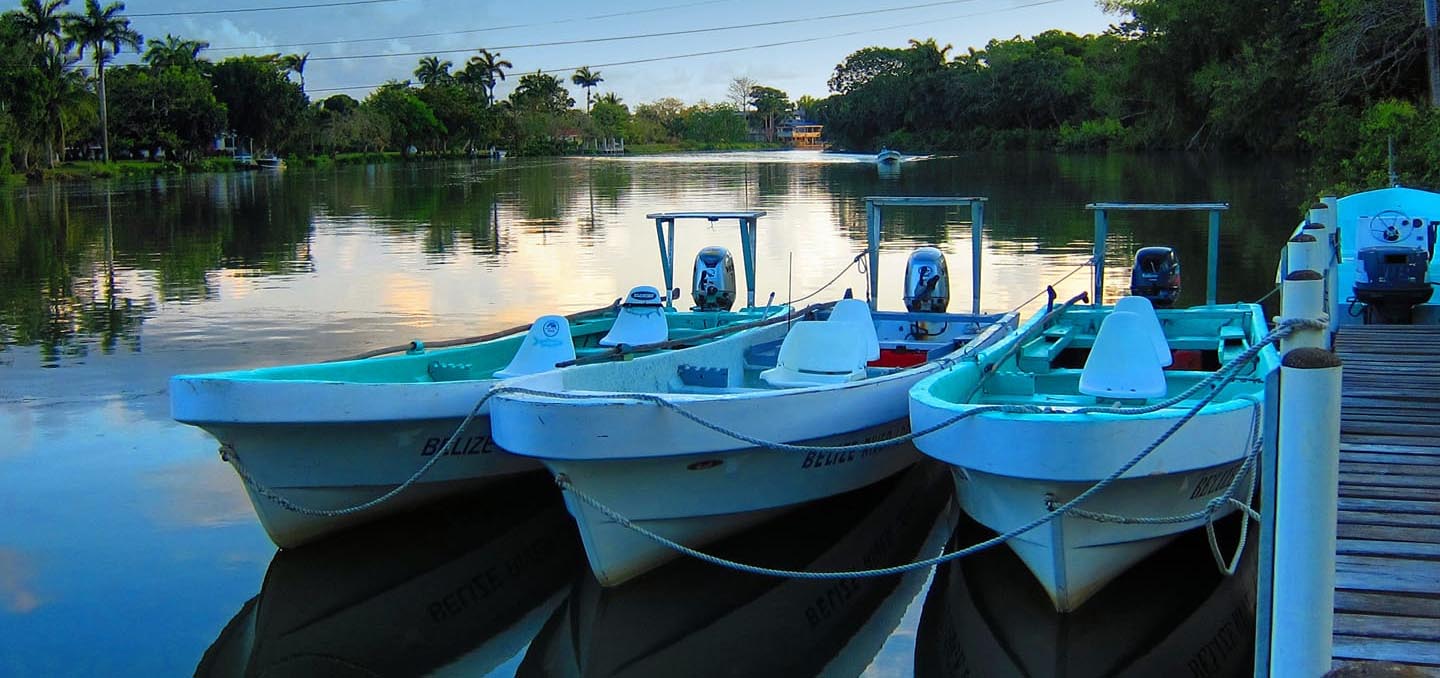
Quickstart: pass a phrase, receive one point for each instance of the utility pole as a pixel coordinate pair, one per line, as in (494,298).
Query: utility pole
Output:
(1432,52)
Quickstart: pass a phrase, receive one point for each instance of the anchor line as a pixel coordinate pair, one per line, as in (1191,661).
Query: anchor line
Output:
(1284,328)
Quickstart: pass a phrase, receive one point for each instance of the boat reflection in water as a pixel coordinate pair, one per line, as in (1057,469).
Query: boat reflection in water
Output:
(690,618)
(1173,614)
(457,588)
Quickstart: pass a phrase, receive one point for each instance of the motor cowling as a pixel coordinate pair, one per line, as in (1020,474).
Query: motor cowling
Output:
(927,281)
(1391,281)
(1392,265)
(1156,276)
(713,282)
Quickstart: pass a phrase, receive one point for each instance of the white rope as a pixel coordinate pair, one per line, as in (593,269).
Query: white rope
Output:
(1229,371)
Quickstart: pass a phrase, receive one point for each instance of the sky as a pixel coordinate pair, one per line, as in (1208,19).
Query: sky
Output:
(453,29)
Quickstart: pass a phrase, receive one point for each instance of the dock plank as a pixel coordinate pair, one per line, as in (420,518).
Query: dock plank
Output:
(1419,535)
(1425,520)
(1388,626)
(1387,649)
(1387,567)
(1389,549)
(1359,602)
(1390,505)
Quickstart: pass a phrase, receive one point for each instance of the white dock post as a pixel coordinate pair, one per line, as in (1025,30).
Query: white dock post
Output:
(1300,495)
(1303,253)
(1307,480)
(1302,295)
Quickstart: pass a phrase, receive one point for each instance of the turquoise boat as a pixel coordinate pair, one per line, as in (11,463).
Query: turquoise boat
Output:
(1013,467)
(335,435)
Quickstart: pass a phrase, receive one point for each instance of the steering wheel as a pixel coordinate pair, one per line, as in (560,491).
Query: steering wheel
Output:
(1391,226)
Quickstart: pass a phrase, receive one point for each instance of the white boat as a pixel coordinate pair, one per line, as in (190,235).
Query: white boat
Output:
(270,161)
(1012,468)
(336,435)
(888,157)
(837,378)
(1386,269)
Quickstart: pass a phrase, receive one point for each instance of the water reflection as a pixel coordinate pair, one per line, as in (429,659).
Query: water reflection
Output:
(695,619)
(1173,614)
(84,267)
(458,589)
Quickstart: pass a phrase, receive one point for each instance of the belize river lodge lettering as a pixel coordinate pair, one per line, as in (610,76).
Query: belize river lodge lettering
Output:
(463,446)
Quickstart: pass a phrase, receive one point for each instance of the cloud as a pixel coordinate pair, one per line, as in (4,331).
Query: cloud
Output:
(17,576)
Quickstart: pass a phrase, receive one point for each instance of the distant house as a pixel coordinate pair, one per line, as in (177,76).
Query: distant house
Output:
(801,133)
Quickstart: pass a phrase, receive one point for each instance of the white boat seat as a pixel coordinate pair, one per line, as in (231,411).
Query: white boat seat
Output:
(858,312)
(1141,306)
(1123,363)
(548,342)
(641,319)
(819,352)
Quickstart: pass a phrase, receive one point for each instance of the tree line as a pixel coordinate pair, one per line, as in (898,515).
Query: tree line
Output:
(1333,78)
(62,98)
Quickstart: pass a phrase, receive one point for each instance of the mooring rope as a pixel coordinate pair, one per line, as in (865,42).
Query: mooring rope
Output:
(1216,381)
(1283,330)
(856,262)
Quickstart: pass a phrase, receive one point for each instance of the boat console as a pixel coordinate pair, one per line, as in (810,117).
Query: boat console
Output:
(1393,254)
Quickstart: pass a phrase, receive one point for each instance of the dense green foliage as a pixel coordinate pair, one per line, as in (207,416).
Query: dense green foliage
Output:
(1334,77)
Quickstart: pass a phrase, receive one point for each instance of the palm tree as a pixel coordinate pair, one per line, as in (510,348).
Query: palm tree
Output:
(95,29)
(930,56)
(586,78)
(61,88)
(295,63)
(610,98)
(41,21)
(491,70)
(174,51)
(433,71)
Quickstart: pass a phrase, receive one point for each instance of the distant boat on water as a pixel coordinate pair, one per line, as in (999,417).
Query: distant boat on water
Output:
(888,157)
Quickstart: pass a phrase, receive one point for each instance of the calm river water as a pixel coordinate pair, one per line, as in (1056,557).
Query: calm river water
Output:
(128,548)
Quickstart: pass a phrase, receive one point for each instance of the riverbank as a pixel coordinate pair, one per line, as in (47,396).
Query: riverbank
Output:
(89,170)
(700,147)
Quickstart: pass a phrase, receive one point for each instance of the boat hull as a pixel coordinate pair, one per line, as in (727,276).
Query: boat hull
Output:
(332,466)
(699,499)
(1012,469)
(634,441)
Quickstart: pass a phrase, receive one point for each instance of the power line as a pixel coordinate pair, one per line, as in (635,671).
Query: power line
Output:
(730,50)
(276,8)
(632,36)
(661,34)
(592,17)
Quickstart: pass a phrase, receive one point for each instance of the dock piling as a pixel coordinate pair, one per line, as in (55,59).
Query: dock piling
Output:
(1307,479)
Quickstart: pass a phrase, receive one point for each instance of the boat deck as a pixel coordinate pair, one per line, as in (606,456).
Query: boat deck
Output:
(1387,579)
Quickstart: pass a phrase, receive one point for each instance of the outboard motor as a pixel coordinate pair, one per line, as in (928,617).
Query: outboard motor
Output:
(714,280)
(1391,264)
(927,281)
(1156,276)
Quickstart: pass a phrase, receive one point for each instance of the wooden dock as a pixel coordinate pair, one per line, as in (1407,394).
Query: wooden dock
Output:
(1387,565)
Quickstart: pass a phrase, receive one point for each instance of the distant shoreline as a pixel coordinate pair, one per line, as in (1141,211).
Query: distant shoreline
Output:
(88,170)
